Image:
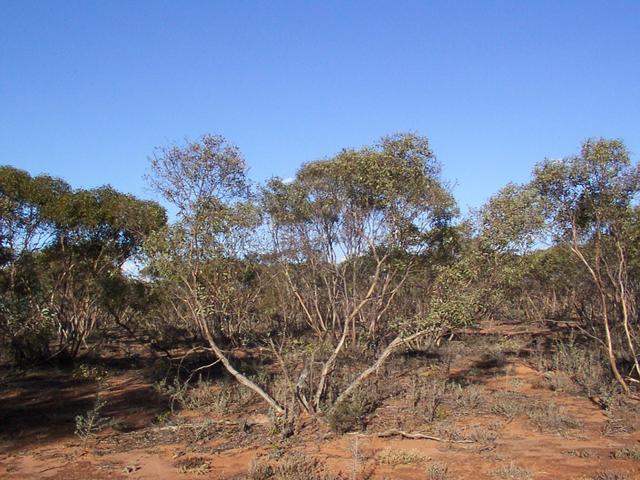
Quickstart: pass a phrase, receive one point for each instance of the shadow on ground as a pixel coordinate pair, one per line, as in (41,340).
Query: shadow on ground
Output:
(41,407)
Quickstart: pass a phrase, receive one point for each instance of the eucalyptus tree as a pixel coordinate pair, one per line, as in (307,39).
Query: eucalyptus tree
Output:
(24,232)
(59,248)
(349,231)
(588,202)
(96,232)
(583,205)
(196,257)
(509,228)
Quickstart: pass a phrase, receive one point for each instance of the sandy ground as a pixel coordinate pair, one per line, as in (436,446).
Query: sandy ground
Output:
(37,413)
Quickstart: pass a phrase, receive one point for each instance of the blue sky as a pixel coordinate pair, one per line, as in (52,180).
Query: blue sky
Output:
(89,88)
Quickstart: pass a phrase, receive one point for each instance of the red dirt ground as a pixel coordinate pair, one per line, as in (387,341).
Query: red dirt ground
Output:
(37,412)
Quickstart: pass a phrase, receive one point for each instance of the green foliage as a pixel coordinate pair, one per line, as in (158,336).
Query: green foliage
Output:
(358,251)
(394,184)
(455,300)
(206,181)
(199,261)
(358,238)
(590,192)
(511,220)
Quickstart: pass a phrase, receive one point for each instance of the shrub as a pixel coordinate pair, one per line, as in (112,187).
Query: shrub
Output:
(93,421)
(483,435)
(467,398)
(89,372)
(429,395)
(351,414)
(558,381)
(219,400)
(225,398)
(437,471)
(583,363)
(578,453)
(260,470)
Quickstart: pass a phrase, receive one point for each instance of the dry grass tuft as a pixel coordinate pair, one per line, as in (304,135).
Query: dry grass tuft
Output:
(549,417)
(513,472)
(611,476)
(291,466)
(437,471)
(627,454)
(507,404)
(193,466)
(400,457)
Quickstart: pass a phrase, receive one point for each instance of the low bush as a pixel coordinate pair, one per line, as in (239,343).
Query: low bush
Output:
(351,414)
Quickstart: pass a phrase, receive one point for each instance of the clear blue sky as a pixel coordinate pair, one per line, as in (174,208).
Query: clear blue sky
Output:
(89,88)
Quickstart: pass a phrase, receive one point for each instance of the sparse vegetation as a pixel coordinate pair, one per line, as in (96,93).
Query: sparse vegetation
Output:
(345,299)
(319,240)
(429,396)
(469,398)
(205,396)
(483,435)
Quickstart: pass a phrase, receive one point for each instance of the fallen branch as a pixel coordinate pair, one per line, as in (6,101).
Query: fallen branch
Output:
(417,435)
